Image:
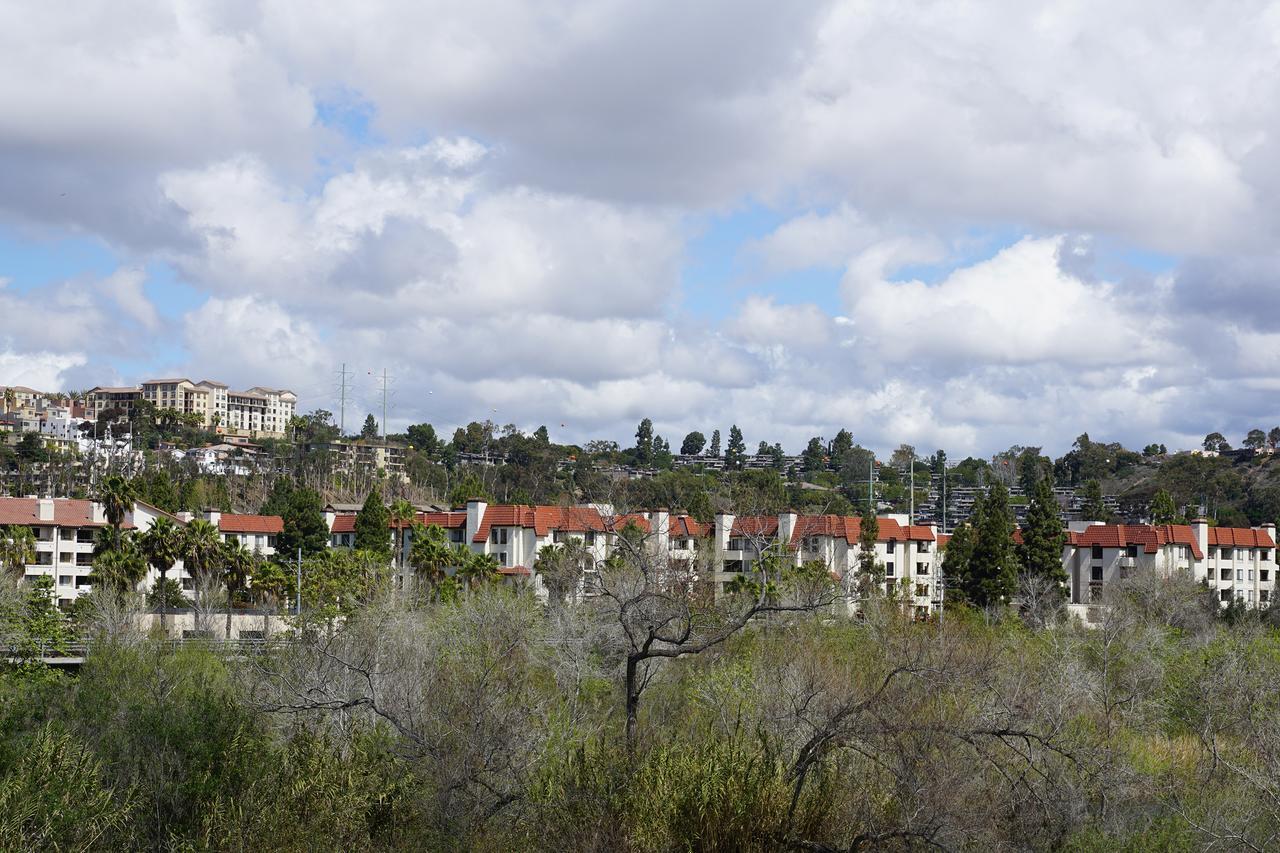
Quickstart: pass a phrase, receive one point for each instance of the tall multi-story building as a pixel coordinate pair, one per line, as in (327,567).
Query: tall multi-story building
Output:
(257,413)
(101,399)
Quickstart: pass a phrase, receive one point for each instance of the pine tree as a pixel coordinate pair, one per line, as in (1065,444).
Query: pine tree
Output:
(993,566)
(1163,509)
(1043,537)
(955,564)
(373,526)
(736,452)
(1093,508)
(870,570)
(714,450)
(369,431)
(644,442)
(304,526)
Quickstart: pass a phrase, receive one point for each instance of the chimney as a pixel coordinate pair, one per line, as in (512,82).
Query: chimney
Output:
(1200,530)
(660,526)
(214,517)
(44,509)
(97,514)
(786,527)
(475,515)
(724,524)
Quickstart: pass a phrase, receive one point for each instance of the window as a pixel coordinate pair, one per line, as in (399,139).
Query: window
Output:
(1250,576)
(1239,574)
(502,558)
(1096,552)
(1213,552)
(1264,554)
(65,558)
(1095,574)
(1264,575)
(922,568)
(1131,551)
(559,537)
(1224,574)
(498,536)
(922,590)
(888,570)
(737,545)
(889,587)
(591,537)
(64,580)
(1224,595)
(455,535)
(1226,553)
(922,548)
(1264,595)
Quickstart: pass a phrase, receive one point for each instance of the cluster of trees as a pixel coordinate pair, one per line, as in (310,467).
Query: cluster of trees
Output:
(649,718)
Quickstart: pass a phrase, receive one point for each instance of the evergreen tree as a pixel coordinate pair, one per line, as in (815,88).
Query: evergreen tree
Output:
(993,566)
(956,564)
(277,502)
(370,429)
(736,451)
(714,450)
(1163,509)
(541,435)
(373,526)
(1093,508)
(815,456)
(644,442)
(841,447)
(693,444)
(304,526)
(1043,537)
(870,570)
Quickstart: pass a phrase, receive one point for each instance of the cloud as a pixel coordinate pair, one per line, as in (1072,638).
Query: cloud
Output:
(39,369)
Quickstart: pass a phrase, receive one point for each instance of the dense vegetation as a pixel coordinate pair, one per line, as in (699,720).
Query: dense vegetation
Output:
(491,722)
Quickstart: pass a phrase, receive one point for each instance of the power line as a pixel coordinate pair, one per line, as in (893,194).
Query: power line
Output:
(342,391)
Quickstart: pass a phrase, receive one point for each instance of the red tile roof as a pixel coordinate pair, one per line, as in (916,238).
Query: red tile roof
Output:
(233,523)
(755,525)
(66,513)
(344,524)
(545,519)
(849,528)
(1240,537)
(1150,537)
(522,571)
(687,527)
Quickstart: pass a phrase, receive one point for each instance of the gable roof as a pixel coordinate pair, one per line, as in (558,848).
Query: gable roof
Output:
(687,527)
(1150,537)
(234,523)
(1241,537)
(67,512)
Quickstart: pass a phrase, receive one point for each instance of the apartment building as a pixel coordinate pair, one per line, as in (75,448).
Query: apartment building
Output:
(1236,563)
(715,553)
(255,532)
(349,457)
(257,412)
(100,399)
(16,397)
(65,530)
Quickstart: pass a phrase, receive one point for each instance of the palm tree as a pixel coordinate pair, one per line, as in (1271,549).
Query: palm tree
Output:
(562,568)
(120,569)
(430,553)
(201,550)
(162,546)
(237,567)
(17,549)
(269,585)
(402,515)
(117,496)
(478,569)
(10,400)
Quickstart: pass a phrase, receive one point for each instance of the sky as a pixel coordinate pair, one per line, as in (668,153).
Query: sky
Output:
(956,225)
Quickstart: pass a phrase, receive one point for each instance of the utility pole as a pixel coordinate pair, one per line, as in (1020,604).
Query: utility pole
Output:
(342,392)
(871,490)
(384,405)
(298,611)
(911,513)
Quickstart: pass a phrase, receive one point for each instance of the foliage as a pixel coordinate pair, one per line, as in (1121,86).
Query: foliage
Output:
(373,526)
(304,526)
